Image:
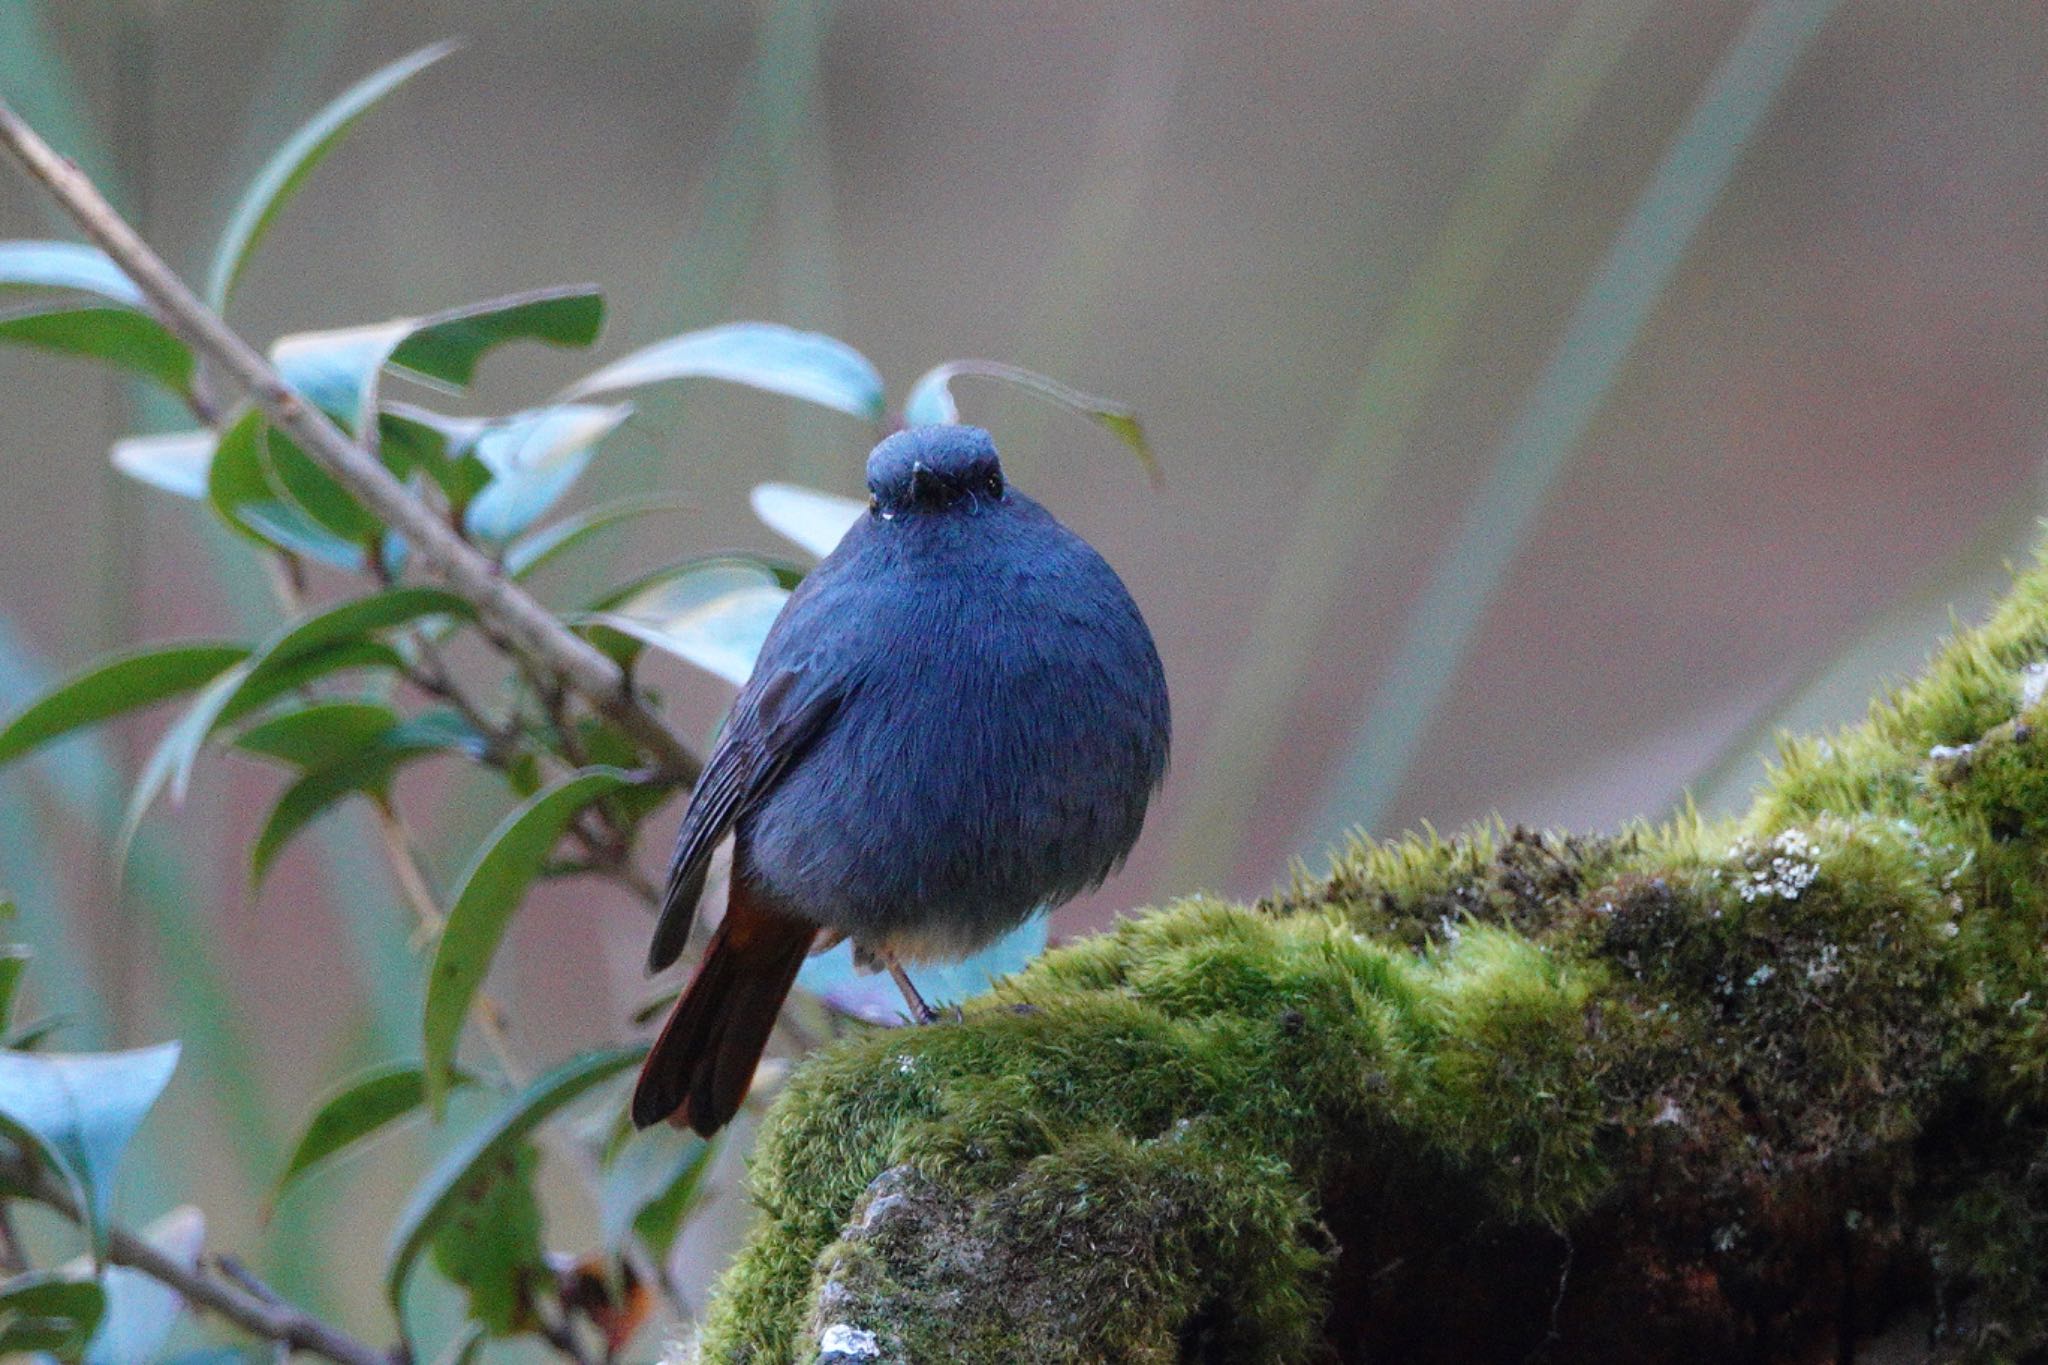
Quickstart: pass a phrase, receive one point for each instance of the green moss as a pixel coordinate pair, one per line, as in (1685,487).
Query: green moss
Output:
(1708,1039)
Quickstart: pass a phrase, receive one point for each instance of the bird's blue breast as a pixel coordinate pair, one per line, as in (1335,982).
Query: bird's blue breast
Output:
(1002,726)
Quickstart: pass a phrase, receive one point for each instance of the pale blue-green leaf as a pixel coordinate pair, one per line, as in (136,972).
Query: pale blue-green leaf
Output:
(763,355)
(65,265)
(713,614)
(874,997)
(176,462)
(533,458)
(931,403)
(282,175)
(817,521)
(332,370)
(490,893)
(80,1110)
(141,1310)
(498,1135)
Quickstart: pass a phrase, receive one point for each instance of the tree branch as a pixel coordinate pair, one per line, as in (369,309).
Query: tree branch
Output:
(528,628)
(264,1314)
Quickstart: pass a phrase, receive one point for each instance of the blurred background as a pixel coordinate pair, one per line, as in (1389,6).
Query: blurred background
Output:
(1553,399)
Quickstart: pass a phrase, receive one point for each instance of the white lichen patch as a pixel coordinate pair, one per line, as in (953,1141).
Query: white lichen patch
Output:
(2033,684)
(846,1340)
(1783,868)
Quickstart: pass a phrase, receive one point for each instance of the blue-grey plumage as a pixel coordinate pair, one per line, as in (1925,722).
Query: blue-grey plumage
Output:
(958,717)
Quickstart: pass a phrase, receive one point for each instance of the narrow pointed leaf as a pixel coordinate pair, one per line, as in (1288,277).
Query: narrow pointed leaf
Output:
(357,1110)
(817,521)
(763,355)
(490,893)
(48,1312)
(115,336)
(370,770)
(14,961)
(492,1141)
(931,403)
(286,171)
(177,462)
(113,686)
(526,555)
(319,733)
(318,645)
(65,265)
(79,1111)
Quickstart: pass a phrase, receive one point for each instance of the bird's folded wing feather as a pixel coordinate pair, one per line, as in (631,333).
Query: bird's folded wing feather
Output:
(775,719)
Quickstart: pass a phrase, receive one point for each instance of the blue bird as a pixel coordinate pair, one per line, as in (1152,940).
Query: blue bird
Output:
(957,718)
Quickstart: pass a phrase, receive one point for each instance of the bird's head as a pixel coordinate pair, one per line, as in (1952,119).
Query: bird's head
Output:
(934,470)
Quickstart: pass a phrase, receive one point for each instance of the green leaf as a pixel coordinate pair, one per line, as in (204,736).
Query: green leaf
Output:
(313,647)
(712,613)
(931,403)
(360,1107)
(428,1209)
(66,265)
(177,462)
(79,1111)
(532,459)
(488,1242)
(525,556)
(117,336)
(490,893)
(763,355)
(285,172)
(115,685)
(319,733)
(13,962)
(140,1310)
(649,1186)
(317,493)
(47,1311)
(446,346)
(368,770)
(817,521)
(338,370)
(239,485)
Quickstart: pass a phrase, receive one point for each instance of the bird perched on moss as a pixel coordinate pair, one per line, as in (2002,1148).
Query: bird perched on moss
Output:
(958,717)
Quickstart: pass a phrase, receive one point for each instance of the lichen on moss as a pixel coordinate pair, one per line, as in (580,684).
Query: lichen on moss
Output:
(1744,1087)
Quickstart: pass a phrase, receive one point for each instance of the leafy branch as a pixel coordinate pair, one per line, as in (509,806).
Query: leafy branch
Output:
(302,454)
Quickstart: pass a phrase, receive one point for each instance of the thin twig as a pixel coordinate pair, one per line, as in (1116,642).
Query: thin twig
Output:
(502,606)
(267,1316)
(412,881)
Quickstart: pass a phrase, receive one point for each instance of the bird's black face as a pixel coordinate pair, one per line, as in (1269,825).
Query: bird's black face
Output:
(930,470)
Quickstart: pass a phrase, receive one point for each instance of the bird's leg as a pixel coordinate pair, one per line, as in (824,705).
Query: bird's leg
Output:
(919,1011)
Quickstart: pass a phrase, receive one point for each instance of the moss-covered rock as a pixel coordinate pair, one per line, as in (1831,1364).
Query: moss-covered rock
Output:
(1691,1092)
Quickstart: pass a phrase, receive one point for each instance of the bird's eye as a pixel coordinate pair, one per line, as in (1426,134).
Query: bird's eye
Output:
(994,485)
(874,503)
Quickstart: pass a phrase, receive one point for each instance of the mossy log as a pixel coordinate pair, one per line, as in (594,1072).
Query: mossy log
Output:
(1768,1091)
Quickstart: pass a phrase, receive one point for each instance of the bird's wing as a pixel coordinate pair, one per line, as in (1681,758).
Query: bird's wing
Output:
(770,727)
